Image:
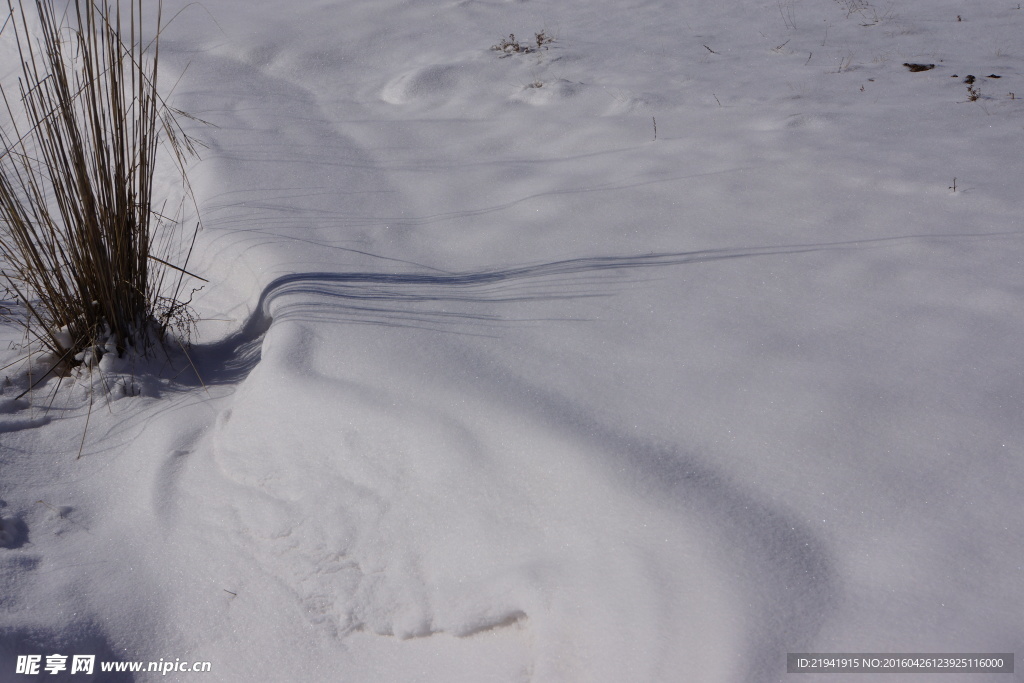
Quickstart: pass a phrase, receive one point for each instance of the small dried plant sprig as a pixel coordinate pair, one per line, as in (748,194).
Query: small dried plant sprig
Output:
(80,241)
(509,46)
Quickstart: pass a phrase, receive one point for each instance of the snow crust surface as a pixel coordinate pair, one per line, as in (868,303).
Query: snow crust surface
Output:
(652,354)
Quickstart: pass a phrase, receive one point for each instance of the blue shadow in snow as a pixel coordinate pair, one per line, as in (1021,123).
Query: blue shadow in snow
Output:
(461,302)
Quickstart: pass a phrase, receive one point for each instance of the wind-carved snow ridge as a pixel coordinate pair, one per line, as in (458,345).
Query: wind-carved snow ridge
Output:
(447,301)
(459,301)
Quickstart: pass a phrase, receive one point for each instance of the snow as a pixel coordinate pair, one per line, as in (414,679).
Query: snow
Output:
(497,385)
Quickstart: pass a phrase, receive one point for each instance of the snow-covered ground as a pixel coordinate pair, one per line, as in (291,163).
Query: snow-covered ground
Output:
(500,386)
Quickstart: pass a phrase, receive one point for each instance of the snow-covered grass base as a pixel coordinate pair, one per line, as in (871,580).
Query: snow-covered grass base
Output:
(100,371)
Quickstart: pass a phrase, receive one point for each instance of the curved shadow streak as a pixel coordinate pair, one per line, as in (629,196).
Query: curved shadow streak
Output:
(458,302)
(462,302)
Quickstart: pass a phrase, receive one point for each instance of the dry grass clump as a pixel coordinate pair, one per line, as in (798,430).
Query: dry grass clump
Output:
(509,46)
(81,242)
